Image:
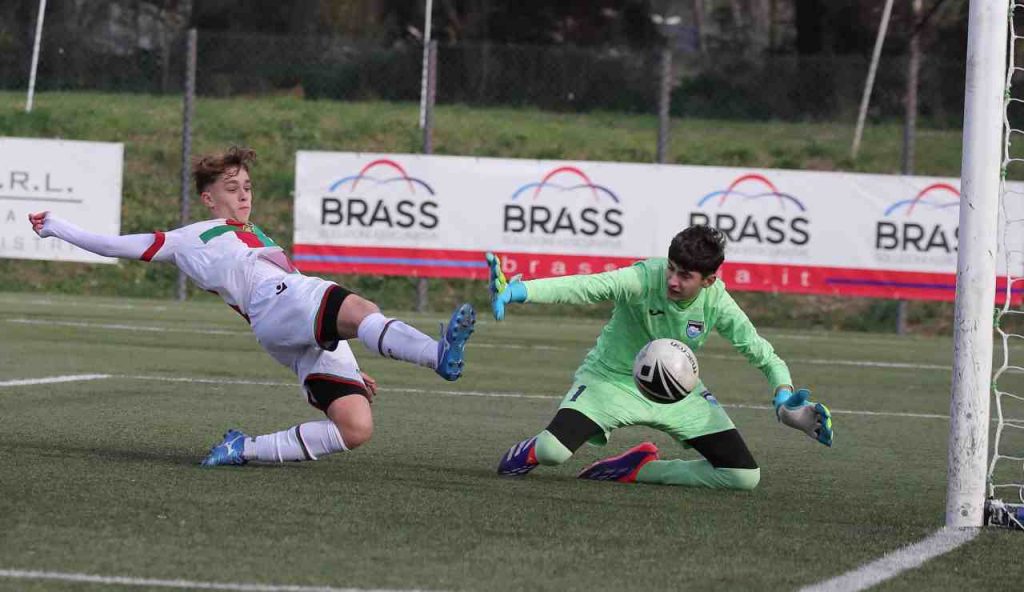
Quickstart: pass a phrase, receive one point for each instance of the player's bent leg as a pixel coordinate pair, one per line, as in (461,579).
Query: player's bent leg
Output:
(550,451)
(697,473)
(725,449)
(397,340)
(353,419)
(568,430)
(556,444)
(351,314)
(350,424)
(727,464)
(306,441)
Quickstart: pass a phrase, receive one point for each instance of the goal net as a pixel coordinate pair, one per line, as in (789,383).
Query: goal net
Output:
(1005,506)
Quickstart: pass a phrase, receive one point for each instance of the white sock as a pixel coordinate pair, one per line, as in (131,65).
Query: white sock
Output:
(307,441)
(394,339)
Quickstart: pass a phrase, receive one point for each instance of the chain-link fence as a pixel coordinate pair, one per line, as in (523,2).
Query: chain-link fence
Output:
(782,87)
(717,86)
(141,51)
(713,85)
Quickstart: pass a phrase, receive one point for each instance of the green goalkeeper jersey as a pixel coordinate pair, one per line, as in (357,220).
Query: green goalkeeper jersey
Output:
(643,313)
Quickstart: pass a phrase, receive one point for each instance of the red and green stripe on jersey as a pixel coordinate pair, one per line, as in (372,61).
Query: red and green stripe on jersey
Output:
(250,234)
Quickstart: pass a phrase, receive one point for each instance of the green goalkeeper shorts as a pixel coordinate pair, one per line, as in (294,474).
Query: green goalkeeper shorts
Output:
(613,404)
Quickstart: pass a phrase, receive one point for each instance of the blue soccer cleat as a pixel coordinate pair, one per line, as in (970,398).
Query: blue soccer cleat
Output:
(520,459)
(228,452)
(624,467)
(453,341)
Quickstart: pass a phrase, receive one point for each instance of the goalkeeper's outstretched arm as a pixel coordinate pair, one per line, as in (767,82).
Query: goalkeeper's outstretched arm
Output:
(573,289)
(128,246)
(792,407)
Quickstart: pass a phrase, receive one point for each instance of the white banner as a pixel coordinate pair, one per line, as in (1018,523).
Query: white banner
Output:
(79,181)
(796,231)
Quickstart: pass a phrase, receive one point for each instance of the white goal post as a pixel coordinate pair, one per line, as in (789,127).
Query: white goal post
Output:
(984,111)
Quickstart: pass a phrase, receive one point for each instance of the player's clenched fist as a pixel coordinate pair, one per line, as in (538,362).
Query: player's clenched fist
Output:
(38,221)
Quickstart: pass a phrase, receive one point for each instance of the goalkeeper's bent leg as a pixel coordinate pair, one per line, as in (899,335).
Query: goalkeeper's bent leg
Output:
(568,430)
(697,473)
(556,444)
(727,464)
(548,450)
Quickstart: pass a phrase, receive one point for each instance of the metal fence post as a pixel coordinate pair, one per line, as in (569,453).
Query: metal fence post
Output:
(428,146)
(866,97)
(910,101)
(186,140)
(35,56)
(664,100)
(910,129)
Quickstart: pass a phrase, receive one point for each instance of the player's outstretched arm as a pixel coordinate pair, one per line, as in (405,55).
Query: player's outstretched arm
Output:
(502,290)
(797,411)
(128,246)
(619,284)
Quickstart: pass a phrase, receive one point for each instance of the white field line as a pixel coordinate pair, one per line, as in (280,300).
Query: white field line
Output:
(858,363)
(180,584)
(452,393)
(893,564)
(158,329)
(53,379)
(476,344)
(79,304)
(221,381)
(494,394)
(126,327)
(857,412)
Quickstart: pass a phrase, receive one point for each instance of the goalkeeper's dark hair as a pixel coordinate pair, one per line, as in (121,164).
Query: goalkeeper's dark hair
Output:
(207,169)
(698,248)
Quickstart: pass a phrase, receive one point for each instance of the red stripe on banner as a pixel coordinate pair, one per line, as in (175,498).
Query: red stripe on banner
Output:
(389,252)
(758,277)
(158,242)
(837,281)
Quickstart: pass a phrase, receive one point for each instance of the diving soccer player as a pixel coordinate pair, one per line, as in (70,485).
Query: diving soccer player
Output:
(301,321)
(680,298)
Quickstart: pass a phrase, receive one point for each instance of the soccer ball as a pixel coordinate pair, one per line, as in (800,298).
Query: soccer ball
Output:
(665,371)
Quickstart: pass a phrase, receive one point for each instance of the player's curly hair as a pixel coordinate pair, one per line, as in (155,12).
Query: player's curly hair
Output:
(207,169)
(698,248)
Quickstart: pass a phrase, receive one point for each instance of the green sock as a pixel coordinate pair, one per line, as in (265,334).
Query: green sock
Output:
(549,450)
(697,473)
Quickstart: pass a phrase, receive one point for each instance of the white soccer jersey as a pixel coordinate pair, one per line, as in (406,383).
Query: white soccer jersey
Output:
(222,256)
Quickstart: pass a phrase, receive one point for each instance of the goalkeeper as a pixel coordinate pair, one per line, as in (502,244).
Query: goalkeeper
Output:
(680,298)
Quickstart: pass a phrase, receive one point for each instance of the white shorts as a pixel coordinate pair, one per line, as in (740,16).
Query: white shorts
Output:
(285,314)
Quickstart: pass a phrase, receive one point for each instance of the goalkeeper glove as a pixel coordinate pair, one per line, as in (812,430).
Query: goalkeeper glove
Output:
(796,411)
(502,291)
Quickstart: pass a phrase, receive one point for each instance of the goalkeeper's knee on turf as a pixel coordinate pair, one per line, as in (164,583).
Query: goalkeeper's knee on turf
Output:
(549,451)
(698,473)
(742,479)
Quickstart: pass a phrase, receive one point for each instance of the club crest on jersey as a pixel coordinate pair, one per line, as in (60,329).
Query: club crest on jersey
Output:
(694,329)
